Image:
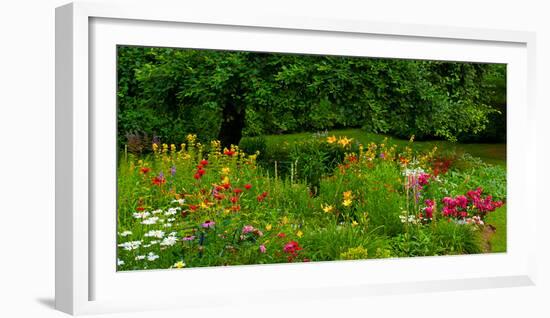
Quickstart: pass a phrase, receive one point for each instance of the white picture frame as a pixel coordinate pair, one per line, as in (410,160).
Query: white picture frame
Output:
(86,278)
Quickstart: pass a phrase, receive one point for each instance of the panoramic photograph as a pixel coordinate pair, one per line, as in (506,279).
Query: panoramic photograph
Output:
(238,158)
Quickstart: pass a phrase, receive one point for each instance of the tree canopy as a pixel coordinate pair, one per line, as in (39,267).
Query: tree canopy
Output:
(169,93)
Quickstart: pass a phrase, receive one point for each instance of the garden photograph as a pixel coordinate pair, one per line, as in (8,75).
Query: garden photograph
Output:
(239,158)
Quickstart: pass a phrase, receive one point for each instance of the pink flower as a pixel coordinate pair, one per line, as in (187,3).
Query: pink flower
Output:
(429,212)
(189,238)
(248,229)
(208,224)
(262,248)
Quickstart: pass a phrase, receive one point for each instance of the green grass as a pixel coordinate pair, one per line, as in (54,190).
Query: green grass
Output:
(498,220)
(490,153)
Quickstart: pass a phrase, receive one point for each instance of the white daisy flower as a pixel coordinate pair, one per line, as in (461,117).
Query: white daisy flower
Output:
(150,221)
(168,225)
(169,241)
(154,242)
(131,245)
(155,233)
(152,256)
(125,233)
(157,211)
(141,215)
(171,219)
(119,262)
(140,257)
(172,211)
(180,201)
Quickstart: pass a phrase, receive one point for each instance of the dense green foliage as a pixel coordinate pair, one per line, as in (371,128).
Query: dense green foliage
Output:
(168,93)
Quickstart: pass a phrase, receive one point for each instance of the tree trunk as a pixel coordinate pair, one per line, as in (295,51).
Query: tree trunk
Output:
(233,120)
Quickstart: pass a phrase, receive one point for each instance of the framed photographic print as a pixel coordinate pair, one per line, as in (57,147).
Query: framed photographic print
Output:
(206,151)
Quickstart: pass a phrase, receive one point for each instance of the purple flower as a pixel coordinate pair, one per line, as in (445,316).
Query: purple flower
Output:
(173,170)
(208,224)
(382,155)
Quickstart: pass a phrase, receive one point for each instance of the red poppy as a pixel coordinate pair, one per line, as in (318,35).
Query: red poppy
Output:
(204,162)
(144,170)
(248,186)
(201,172)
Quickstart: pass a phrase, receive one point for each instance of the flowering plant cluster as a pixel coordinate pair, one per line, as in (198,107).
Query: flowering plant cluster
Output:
(472,205)
(215,206)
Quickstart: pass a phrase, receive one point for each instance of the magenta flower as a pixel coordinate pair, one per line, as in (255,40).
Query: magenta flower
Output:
(248,229)
(208,224)
(262,249)
(189,238)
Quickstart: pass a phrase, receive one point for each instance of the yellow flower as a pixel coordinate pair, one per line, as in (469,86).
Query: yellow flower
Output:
(179,264)
(226,171)
(225,180)
(331,139)
(268,227)
(348,195)
(354,223)
(347,202)
(284,220)
(345,141)
(173,148)
(327,208)
(299,233)
(191,138)
(155,147)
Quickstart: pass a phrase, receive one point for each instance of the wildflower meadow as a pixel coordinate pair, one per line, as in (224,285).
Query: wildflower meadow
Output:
(200,186)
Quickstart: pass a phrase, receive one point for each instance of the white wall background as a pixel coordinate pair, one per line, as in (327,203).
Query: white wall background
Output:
(27,157)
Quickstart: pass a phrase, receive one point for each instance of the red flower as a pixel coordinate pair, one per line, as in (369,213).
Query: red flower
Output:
(226,185)
(248,186)
(144,170)
(260,198)
(229,152)
(159,180)
(237,190)
(236,208)
(197,176)
(219,196)
(264,194)
(140,208)
(281,235)
(291,247)
(193,207)
(201,172)
(234,199)
(204,162)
